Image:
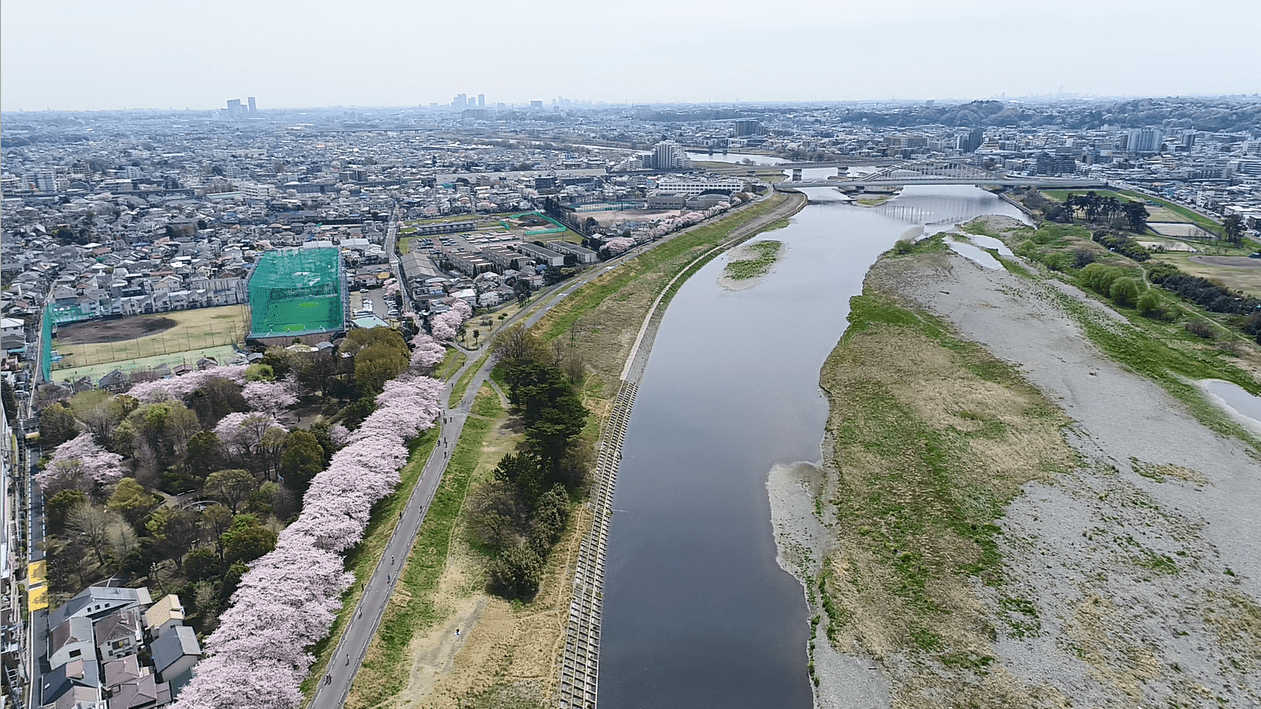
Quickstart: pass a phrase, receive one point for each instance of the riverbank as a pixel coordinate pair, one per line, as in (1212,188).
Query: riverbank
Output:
(510,653)
(1007,517)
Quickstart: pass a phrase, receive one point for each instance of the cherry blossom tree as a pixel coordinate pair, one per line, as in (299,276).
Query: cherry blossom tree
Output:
(618,245)
(426,352)
(287,601)
(270,397)
(445,325)
(82,464)
(185,384)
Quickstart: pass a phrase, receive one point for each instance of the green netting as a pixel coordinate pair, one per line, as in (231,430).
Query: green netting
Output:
(297,291)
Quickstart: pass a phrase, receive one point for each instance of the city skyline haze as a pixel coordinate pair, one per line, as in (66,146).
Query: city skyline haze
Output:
(76,55)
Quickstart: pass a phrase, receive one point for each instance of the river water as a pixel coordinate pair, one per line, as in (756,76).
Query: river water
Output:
(696,610)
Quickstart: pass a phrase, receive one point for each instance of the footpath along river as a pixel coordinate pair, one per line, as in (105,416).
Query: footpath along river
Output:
(696,610)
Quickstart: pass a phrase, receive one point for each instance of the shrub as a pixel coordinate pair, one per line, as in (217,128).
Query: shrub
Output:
(1124,292)
(1083,258)
(904,246)
(1199,328)
(1149,305)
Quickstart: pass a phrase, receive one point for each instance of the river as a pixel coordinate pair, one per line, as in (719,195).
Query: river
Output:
(696,610)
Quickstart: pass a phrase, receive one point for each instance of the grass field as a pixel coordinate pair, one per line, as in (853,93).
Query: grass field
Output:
(221,354)
(1241,279)
(1161,210)
(197,329)
(411,609)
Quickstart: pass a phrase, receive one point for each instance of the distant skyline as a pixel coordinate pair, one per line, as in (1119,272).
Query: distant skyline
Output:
(78,55)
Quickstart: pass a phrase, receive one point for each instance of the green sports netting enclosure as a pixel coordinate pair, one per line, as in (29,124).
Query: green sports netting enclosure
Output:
(297,292)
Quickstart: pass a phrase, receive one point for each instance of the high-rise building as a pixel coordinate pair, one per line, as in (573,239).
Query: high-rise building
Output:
(481,100)
(460,101)
(748,126)
(253,107)
(970,141)
(667,155)
(234,107)
(1144,140)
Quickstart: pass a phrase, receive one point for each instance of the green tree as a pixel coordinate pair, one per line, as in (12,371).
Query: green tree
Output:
(1232,228)
(1136,214)
(131,501)
(165,428)
(57,425)
(215,399)
(516,573)
(1149,305)
(203,564)
(377,364)
(205,454)
(9,400)
(58,507)
(246,540)
(174,532)
(231,487)
(303,459)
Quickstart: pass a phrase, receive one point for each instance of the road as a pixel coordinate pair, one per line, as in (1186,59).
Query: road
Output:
(346,661)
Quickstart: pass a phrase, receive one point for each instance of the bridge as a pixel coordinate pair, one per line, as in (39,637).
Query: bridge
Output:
(935,172)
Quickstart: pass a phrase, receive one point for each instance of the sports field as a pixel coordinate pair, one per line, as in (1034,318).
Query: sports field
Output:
(162,334)
(297,291)
(315,314)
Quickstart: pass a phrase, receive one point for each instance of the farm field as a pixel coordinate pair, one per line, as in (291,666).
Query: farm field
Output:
(108,342)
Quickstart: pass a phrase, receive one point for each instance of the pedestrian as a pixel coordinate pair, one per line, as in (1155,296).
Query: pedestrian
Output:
(457,632)
(391,559)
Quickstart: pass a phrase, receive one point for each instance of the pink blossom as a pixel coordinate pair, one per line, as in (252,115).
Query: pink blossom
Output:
(81,463)
(287,601)
(426,352)
(338,434)
(269,397)
(618,245)
(445,326)
(185,384)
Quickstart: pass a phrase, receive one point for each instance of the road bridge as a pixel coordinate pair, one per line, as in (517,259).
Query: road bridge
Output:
(994,181)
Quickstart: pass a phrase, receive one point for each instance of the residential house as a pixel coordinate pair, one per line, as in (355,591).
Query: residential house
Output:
(119,634)
(174,654)
(167,613)
(71,640)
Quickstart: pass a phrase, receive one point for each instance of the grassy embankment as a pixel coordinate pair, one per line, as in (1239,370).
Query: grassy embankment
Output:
(764,254)
(387,664)
(461,386)
(450,364)
(931,437)
(601,318)
(1157,345)
(364,558)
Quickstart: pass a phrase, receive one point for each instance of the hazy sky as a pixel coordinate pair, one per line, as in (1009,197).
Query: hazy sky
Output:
(76,54)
